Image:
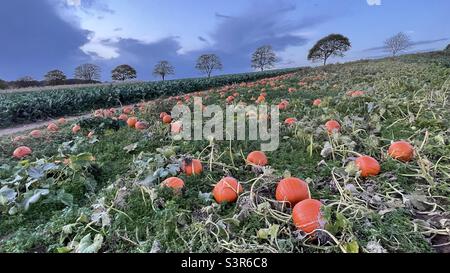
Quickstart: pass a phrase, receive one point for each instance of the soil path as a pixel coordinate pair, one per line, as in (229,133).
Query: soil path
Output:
(35,125)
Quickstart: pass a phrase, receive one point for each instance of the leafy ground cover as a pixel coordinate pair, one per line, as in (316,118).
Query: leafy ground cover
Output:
(103,192)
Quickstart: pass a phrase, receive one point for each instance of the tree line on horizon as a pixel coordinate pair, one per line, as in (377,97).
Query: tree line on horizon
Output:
(264,57)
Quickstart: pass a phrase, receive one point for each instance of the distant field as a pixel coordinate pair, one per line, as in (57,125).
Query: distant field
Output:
(105,192)
(41,104)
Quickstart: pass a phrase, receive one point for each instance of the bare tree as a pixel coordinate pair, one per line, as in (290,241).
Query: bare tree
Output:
(88,72)
(263,58)
(162,69)
(397,43)
(207,63)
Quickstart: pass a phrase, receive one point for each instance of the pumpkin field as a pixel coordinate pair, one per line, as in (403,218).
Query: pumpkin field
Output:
(363,165)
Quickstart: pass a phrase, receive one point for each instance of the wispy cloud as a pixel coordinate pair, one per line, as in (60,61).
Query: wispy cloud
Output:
(374,2)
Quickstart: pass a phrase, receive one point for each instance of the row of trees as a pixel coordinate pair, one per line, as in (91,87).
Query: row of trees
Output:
(263,58)
(333,45)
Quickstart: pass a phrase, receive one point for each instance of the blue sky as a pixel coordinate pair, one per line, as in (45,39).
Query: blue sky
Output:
(41,35)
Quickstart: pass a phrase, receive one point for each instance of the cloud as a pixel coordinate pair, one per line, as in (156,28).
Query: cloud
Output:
(374,2)
(233,40)
(202,39)
(219,15)
(38,40)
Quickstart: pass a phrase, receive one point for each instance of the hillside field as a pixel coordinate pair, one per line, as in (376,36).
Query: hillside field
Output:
(104,192)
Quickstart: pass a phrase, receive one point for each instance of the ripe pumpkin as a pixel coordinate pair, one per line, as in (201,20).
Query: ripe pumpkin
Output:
(174,183)
(91,134)
(191,167)
(291,90)
(368,166)
(61,121)
(128,110)
(22,152)
(19,139)
(52,127)
(176,127)
(123,117)
(230,99)
(283,105)
(167,119)
(132,122)
(36,133)
(402,151)
(317,102)
(76,129)
(290,121)
(355,93)
(292,190)
(257,158)
(141,125)
(227,190)
(307,216)
(332,126)
(261,99)
(162,115)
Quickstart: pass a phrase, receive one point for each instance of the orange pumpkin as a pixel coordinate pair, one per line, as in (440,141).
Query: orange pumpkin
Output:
(257,158)
(317,102)
(192,167)
(167,119)
(76,129)
(283,105)
(290,121)
(307,215)
(230,99)
(292,190)
(22,152)
(162,115)
(355,93)
(402,151)
(174,183)
(36,133)
(128,110)
(176,127)
(368,166)
(261,99)
(227,190)
(132,122)
(123,117)
(91,134)
(61,121)
(332,126)
(52,127)
(141,125)
(19,139)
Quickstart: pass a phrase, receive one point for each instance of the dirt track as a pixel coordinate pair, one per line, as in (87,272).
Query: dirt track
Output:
(32,126)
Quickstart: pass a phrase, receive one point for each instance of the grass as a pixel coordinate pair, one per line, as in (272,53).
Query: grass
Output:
(401,210)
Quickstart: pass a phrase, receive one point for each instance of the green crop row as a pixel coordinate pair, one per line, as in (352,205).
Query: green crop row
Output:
(19,108)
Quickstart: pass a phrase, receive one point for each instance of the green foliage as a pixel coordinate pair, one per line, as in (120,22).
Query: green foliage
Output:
(14,107)
(118,202)
(55,77)
(123,72)
(331,45)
